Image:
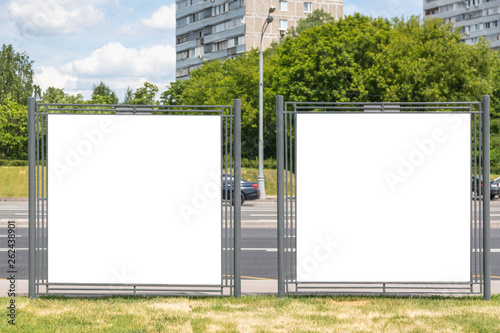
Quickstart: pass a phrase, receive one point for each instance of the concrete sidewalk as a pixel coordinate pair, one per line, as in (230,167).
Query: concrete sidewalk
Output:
(248,287)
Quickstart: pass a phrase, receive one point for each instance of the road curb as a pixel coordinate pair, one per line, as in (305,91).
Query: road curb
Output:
(13,199)
(250,225)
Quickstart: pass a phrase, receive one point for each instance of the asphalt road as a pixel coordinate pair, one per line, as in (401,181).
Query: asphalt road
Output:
(259,254)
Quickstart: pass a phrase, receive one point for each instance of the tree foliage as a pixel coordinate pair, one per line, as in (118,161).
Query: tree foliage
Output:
(58,96)
(145,95)
(129,96)
(102,94)
(13,130)
(16,76)
(173,94)
(356,59)
(317,18)
(220,82)
(365,59)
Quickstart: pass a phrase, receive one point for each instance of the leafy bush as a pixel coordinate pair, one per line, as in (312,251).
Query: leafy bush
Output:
(13,163)
(254,164)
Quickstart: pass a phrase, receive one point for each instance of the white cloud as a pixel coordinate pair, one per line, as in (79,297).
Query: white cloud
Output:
(34,17)
(162,19)
(118,66)
(155,63)
(51,77)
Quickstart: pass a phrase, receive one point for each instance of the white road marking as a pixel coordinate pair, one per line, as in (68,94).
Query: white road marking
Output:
(5,236)
(260,249)
(258,221)
(22,214)
(263,214)
(17,249)
(492,250)
(270,249)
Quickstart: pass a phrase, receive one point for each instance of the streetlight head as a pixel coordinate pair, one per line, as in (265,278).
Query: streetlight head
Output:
(272,9)
(269,19)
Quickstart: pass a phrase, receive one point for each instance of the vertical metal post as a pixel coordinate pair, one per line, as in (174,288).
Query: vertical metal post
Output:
(486,198)
(280,157)
(237,198)
(32,194)
(260,176)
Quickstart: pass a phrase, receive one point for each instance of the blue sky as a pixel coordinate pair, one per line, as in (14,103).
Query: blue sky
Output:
(78,43)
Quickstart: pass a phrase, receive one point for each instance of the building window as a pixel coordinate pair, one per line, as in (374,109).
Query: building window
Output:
(182,39)
(182,4)
(182,72)
(284,6)
(220,9)
(307,7)
(235,4)
(283,24)
(183,21)
(227,25)
(196,17)
(199,52)
(219,46)
(183,55)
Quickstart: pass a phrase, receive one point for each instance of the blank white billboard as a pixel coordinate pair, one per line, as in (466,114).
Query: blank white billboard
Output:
(383,197)
(134,199)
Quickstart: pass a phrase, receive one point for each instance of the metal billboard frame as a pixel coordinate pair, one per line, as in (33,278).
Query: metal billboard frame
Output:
(286,155)
(39,218)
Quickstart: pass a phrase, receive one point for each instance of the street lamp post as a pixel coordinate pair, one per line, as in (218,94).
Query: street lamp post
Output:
(260,178)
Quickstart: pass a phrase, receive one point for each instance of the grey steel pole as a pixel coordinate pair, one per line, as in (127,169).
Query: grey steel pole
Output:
(260,177)
(280,157)
(32,194)
(237,198)
(486,198)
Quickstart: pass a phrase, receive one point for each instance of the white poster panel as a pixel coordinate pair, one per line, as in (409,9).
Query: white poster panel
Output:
(383,197)
(134,199)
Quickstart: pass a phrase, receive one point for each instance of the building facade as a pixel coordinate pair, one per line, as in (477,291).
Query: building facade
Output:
(476,18)
(219,29)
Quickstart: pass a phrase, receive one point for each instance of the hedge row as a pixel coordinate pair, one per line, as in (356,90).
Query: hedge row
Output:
(13,163)
(254,164)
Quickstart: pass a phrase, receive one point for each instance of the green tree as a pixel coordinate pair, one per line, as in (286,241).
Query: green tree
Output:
(389,60)
(220,82)
(16,76)
(102,94)
(424,60)
(173,94)
(13,130)
(129,96)
(58,96)
(360,58)
(317,18)
(145,95)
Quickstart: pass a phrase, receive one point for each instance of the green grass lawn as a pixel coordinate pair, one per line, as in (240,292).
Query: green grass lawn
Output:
(254,314)
(14,180)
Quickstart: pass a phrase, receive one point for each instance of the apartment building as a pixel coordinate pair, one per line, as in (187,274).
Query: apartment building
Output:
(476,18)
(218,29)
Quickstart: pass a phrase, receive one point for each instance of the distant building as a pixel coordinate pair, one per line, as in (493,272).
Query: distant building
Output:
(477,18)
(217,29)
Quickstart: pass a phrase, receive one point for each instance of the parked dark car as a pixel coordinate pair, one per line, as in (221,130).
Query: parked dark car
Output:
(249,190)
(478,184)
